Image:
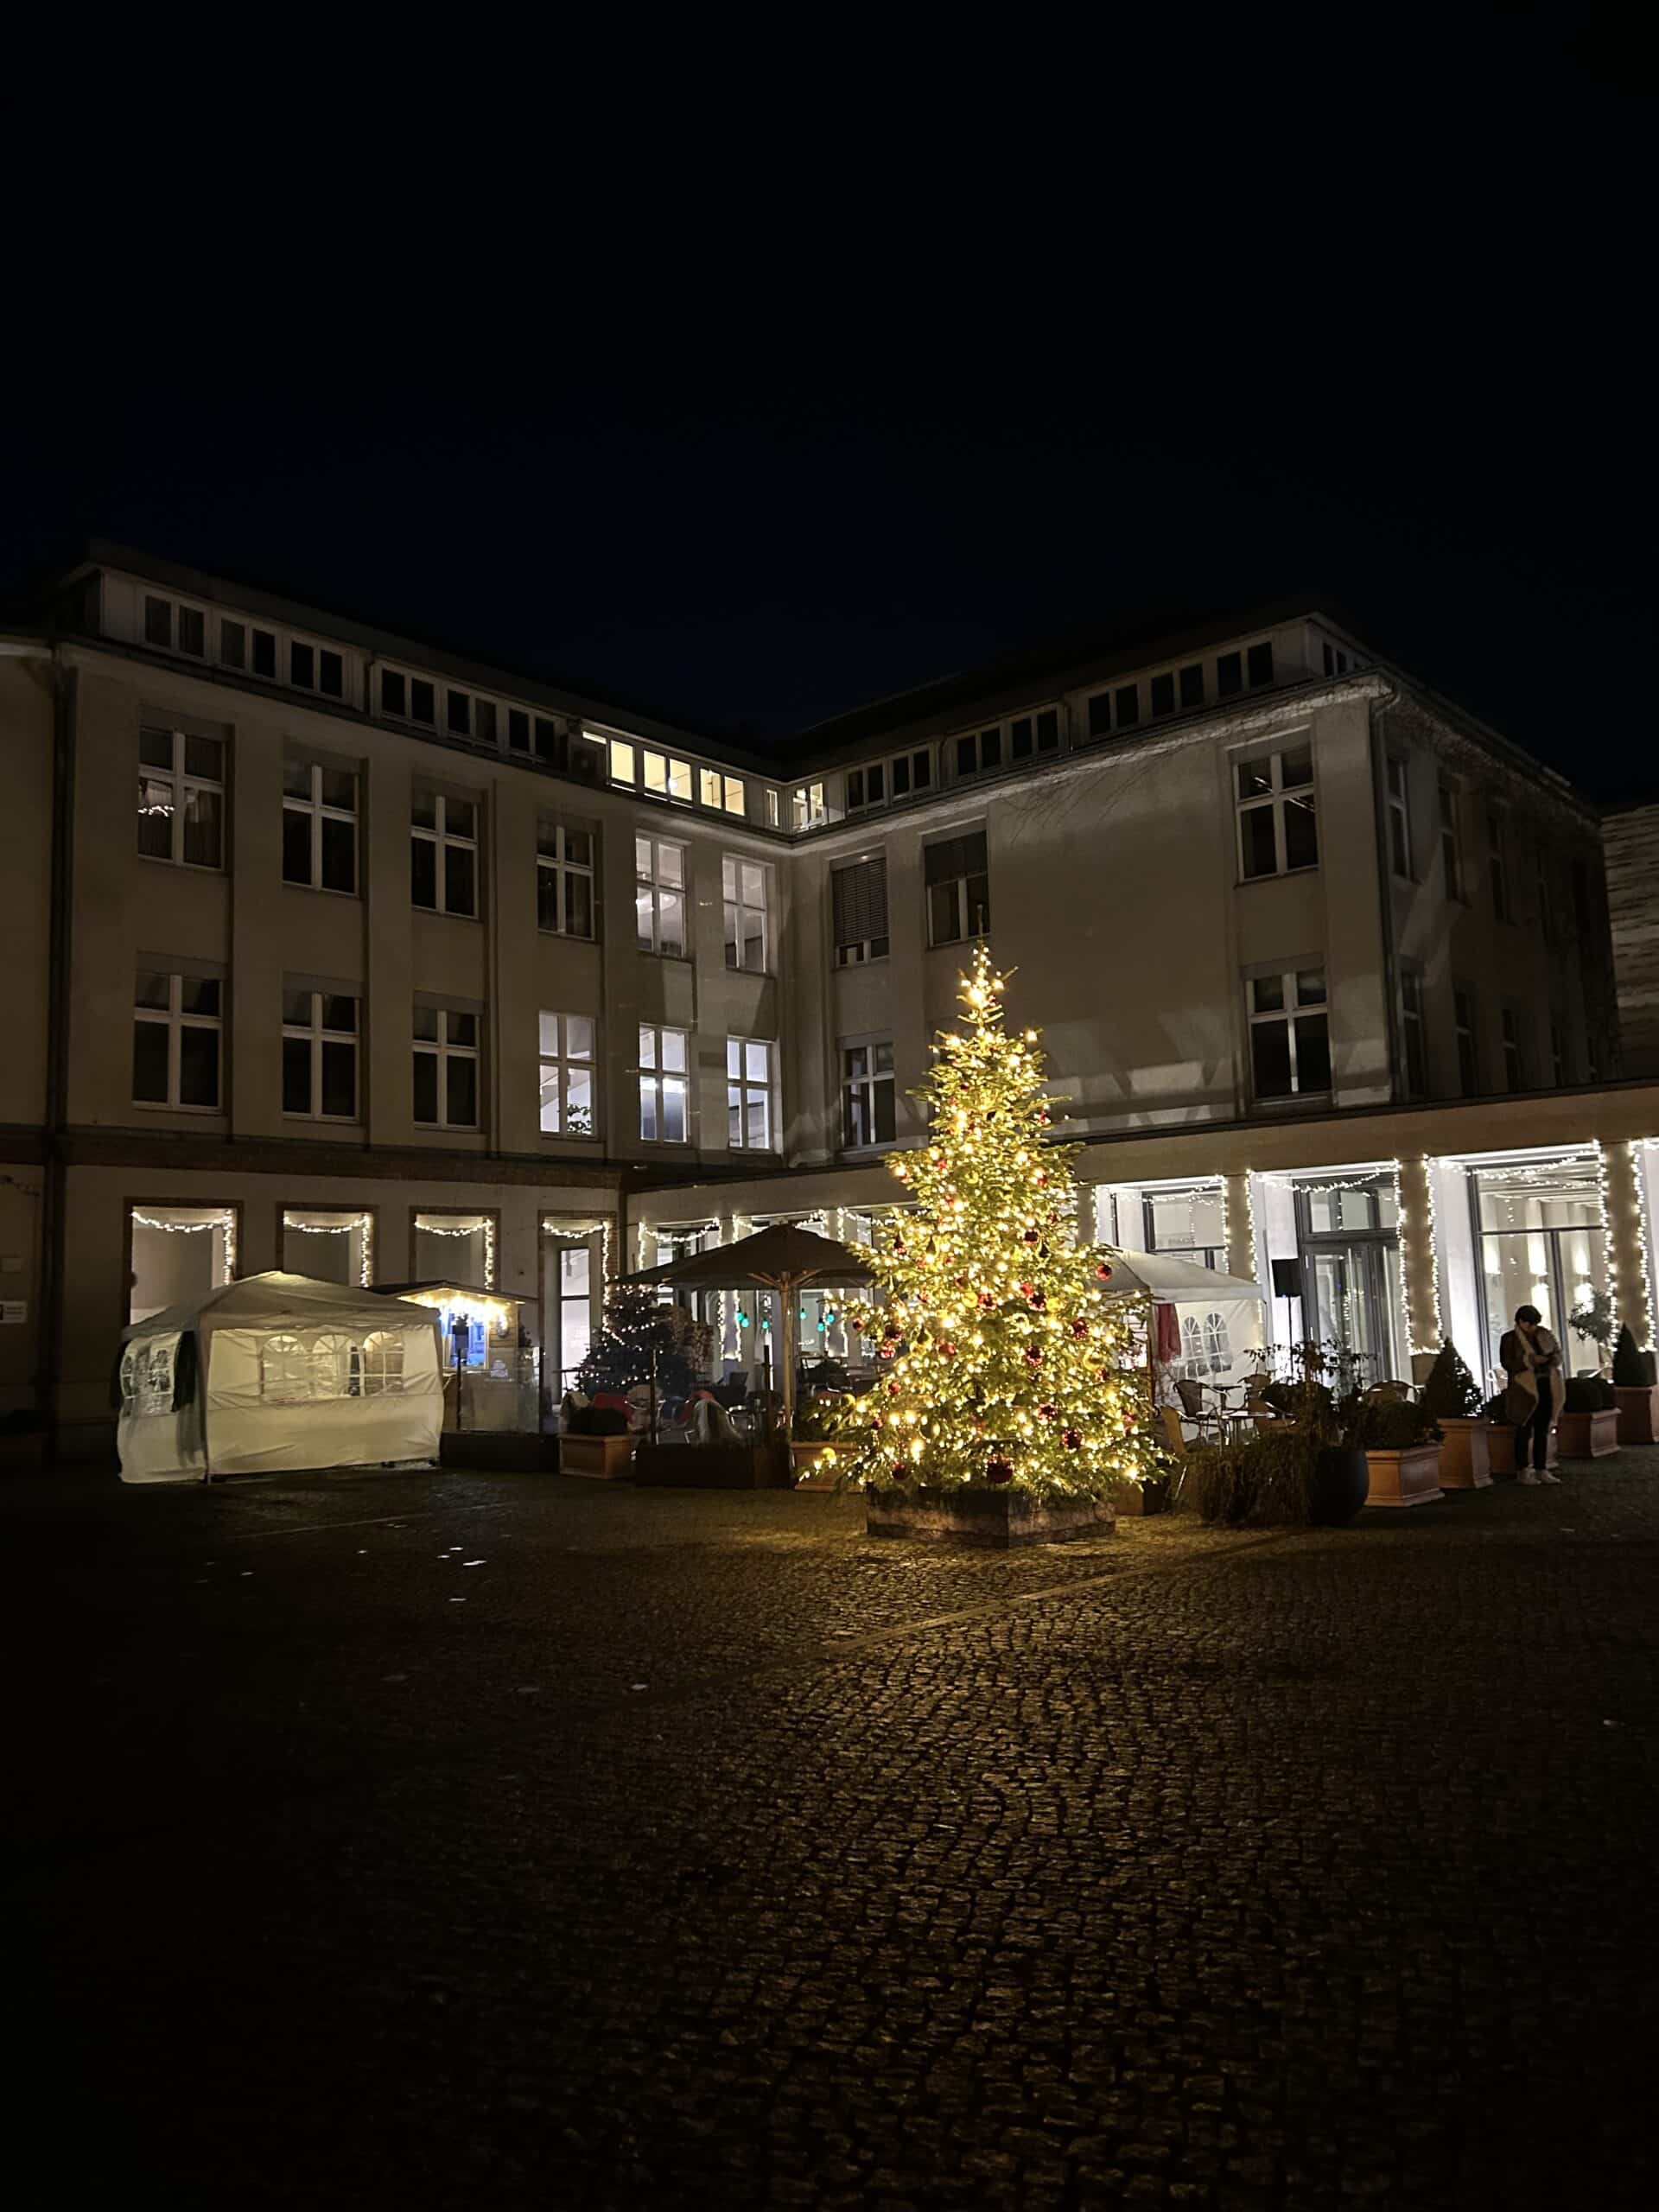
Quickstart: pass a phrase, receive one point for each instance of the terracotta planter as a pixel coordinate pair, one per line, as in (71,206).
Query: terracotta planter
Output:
(1588,1436)
(1500,1448)
(1005,1519)
(604,1457)
(1466,1455)
(1638,1414)
(1410,1477)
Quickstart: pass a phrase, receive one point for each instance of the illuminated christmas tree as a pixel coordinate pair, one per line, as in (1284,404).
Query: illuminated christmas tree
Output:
(1003,1356)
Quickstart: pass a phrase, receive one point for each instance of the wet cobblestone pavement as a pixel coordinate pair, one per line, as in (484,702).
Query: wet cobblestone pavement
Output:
(449,1840)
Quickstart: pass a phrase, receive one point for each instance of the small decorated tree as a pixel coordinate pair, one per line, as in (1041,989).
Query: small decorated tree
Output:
(1004,1359)
(1449,1393)
(637,1325)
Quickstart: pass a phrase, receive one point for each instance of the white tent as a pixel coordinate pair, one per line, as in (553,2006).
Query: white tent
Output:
(1219,1315)
(274,1373)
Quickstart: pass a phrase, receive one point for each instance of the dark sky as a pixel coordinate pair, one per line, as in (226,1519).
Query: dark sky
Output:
(757,369)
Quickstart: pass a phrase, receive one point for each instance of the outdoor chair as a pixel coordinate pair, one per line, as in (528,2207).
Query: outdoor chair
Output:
(1203,1419)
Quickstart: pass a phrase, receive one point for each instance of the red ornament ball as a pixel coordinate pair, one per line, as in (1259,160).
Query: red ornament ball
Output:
(899,1471)
(892,1389)
(987,1302)
(1035,1354)
(1047,1412)
(947,1351)
(1038,1301)
(1103,1273)
(1031,1237)
(1079,1327)
(1072,1440)
(999,1468)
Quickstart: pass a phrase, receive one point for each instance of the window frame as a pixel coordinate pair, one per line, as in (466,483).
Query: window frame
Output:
(176,1020)
(445,1051)
(1291,1013)
(658,887)
(1396,795)
(720,801)
(739,908)
(180,782)
(1414,1031)
(742,1087)
(1450,807)
(1466,1023)
(1278,794)
(564,871)
(319,810)
(1512,1046)
(654,1073)
(960,893)
(565,1063)
(442,837)
(859,952)
(316,1036)
(1498,862)
(867,1084)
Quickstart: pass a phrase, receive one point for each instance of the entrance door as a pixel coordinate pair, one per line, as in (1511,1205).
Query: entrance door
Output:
(1350,1305)
(566,1313)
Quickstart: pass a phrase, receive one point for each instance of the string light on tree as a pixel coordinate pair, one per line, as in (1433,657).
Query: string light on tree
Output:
(1002,1356)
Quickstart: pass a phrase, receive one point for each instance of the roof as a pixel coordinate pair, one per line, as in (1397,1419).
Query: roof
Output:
(276,1299)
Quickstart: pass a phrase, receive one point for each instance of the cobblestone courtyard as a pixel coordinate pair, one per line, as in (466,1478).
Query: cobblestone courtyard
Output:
(459,1840)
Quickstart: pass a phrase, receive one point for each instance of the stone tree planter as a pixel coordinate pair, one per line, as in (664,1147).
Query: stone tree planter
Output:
(1588,1436)
(1638,1414)
(1409,1478)
(1004,1519)
(1465,1456)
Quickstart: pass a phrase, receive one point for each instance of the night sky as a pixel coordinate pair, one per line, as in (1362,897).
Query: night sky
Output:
(754,371)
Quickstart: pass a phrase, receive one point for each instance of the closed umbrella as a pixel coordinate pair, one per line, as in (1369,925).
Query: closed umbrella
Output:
(782,1258)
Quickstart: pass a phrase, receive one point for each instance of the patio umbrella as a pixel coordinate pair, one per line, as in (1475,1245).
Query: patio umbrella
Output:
(782,1258)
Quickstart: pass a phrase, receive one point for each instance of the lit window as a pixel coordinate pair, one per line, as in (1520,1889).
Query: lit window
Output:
(810,807)
(444,853)
(1276,828)
(381,1363)
(565,879)
(1290,1044)
(446,1068)
(621,761)
(177,1029)
(567,1060)
(665,1087)
(750,1113)
(744,886)
(659,896)
(320,1054)
(181,797)
(725,793)
(319,826)
(867,1094)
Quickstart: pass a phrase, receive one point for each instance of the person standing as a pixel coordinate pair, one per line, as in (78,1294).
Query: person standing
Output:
(1531,1358)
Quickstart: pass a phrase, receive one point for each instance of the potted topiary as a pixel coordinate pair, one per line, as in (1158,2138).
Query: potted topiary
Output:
(1635,1391)
(1588,1427)
(1400,1440)
(1451,1397)
(1286,1476)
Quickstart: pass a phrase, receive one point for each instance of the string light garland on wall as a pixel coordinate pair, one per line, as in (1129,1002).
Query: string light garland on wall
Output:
(426,1227)
(553,1226)
(225,1221)
(363,1221)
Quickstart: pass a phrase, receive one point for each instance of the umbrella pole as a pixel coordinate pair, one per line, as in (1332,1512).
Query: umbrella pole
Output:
(786,1295)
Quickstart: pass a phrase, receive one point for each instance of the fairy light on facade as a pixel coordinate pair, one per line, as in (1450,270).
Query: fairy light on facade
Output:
(426,1227)
(365,1222)
(224,1222)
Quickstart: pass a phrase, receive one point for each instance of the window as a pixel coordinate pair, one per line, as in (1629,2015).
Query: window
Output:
(663,778)
(744,886)
(177,1253)
(1189,1221)
(1206,1346)
(573,1314)
(1126,704)
(457,1248)
(314,668)
(622,756)
(1498,874)
(1030,733)
(181,798)
(1258,664)
(1276,830)
(333,1246)
(319,826)
(1542,1241)
(720,791)
(1290,1040)
(1191,683)
(664,1089)
(1463,1003)
(981,752)
(772,808)
(1163,695)
(284,1371)
(158,622)
(1411,1031)
(1451,843)
(1514,1066)
(567,1056)
(659,896)
(444,853)
(565,879)
(160,617)
(1336,663)
(320,1054)
(751,1118)
(446,1068)
(958,888)
(1399,815)
(859,897)
(1100,714)
(1547,914)
(867,1099)
(244,647)
(910,771)
(896,778)
(380,1363)
(808,806)
(1230,675)
(177,1027)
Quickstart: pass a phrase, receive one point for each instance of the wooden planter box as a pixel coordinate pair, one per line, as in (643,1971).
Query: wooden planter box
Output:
(1588,1436)
(1411,1477)
(1005,1519)
(605,1458)
(809,1475)
(713,1466)
(1638,1414)
(1465,1456)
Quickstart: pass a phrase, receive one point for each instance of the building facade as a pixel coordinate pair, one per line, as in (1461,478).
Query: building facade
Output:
(335,952)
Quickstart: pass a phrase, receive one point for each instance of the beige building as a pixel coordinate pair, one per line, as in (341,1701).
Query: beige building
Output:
(334,952)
